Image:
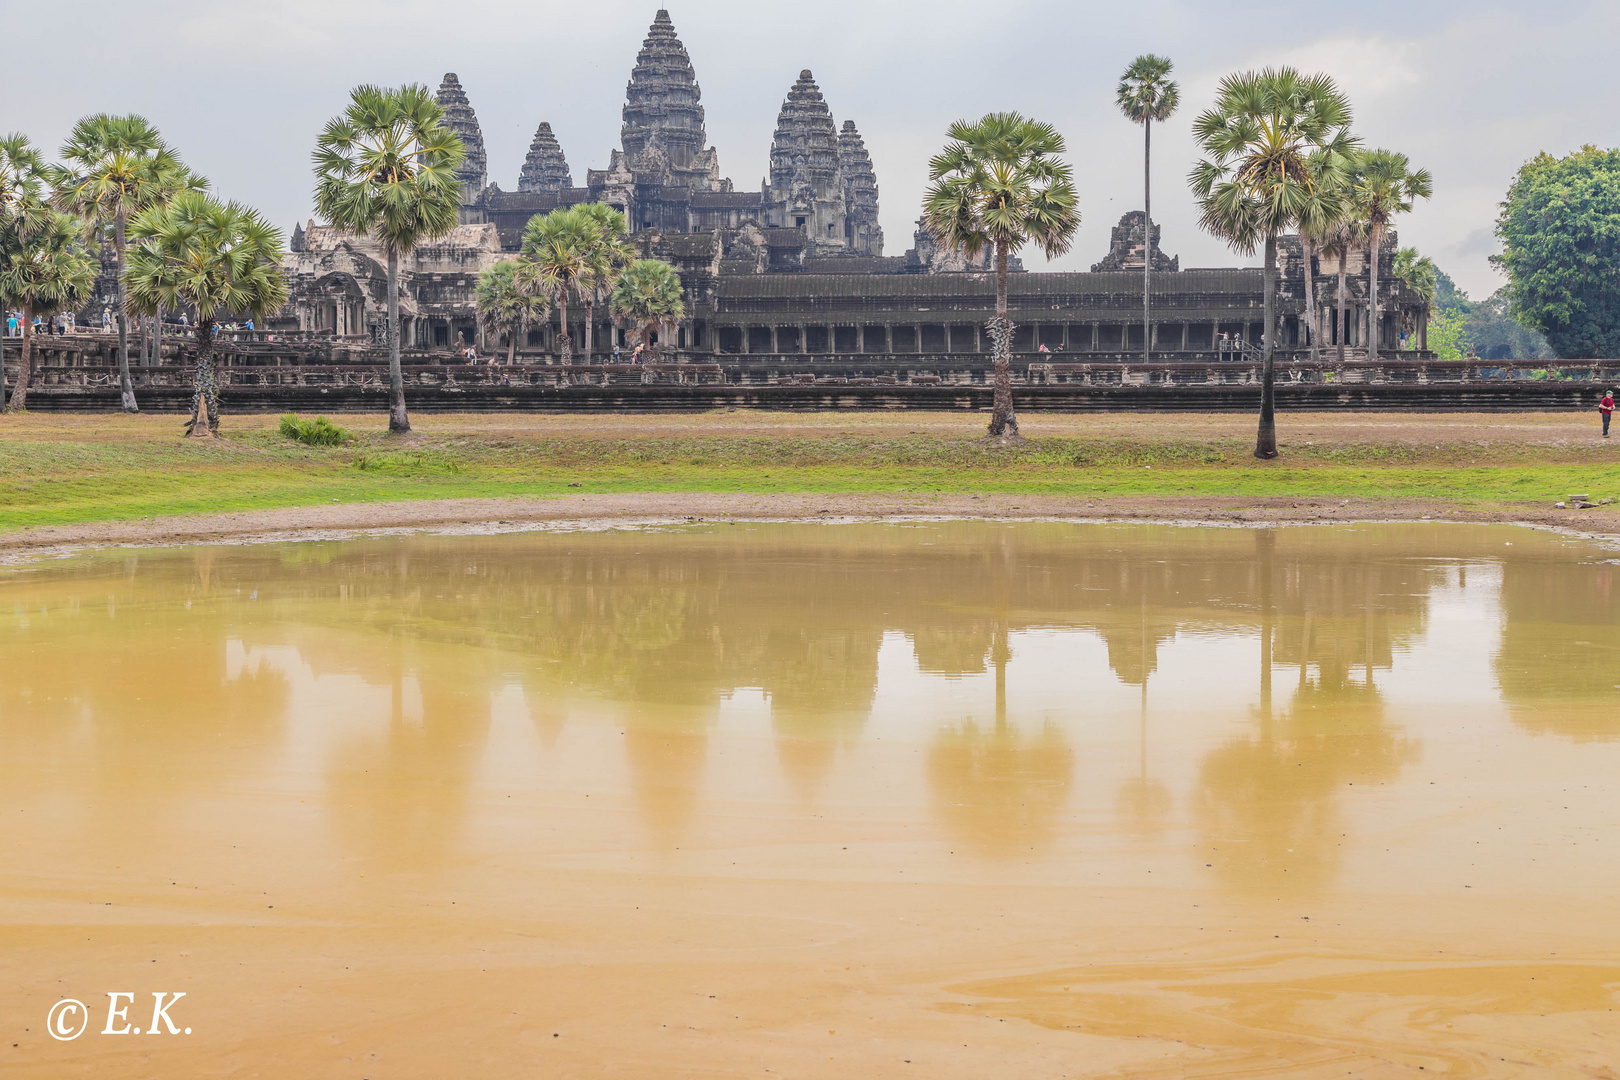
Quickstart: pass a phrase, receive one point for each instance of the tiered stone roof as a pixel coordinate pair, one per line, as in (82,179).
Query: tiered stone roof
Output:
(805,149)
(661,104)
(460,118)
(545,169)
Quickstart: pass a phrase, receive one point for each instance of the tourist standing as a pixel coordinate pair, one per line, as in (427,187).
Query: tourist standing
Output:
(1606,410)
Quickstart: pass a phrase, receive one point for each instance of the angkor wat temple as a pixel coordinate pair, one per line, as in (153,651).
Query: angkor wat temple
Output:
(797,267)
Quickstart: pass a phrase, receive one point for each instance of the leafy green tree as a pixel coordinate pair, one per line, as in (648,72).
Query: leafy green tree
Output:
(1255,180)
(1000,184)
(610,254)
(215,257)
(505,304)
(113,168)
(1560,232)
(1146,93)
(1448,335)
(44,269)
(558,257)
(1486,325)
(1385,186)
(386,169)
(647,296)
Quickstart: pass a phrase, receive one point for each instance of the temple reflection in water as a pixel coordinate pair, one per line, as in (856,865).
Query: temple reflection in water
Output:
(1029,684)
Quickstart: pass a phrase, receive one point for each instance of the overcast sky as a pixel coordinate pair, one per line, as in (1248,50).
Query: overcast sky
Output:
(1468,90)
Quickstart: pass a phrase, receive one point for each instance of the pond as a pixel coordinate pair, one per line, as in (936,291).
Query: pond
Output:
(931,799)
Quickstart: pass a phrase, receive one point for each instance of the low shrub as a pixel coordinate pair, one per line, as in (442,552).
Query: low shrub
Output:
(317,432)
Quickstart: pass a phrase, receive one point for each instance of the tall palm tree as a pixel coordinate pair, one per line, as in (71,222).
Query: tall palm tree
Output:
(386,168)
(215,257)
(504,304)
(609,255)
(647,296)
(1254,181)
(113,168)
(1385,186)
(45,270)
(1146,94)
(999,184)
(558,249)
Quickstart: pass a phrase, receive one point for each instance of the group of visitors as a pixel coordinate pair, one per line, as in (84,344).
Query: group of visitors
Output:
(635,357)
(59,324)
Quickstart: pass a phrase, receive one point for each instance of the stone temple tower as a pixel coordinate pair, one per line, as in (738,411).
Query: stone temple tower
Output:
(663,133)
(807,185)
(459,117)
(545,169)
(865,236)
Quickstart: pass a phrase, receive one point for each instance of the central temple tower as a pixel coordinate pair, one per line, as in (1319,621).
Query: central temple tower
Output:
(663,134)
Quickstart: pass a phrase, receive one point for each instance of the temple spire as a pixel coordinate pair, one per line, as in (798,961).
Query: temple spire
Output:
(661,102)
(860,191)
(460,118)
(545,169)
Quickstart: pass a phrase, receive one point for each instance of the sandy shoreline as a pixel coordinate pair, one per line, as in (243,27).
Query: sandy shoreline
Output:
(292,522)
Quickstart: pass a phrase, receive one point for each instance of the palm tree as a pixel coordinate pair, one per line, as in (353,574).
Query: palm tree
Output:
(22,184)
(999,184)
(647,297)
(1255,180)
(1418,273)
(1385,186)
(115,167)
(1324,212)
(22,205)
(215,257)
(44,269)
(1146,94)
(183,180)
(558,251)
(504,304)
(386,168)
(609,255)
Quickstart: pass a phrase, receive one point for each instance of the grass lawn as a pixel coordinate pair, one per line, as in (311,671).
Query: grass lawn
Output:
(58,469)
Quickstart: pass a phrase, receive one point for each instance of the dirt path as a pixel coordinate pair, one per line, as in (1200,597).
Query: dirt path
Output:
(655,507)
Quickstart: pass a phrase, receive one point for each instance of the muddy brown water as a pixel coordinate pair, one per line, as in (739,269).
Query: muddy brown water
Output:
(936,799)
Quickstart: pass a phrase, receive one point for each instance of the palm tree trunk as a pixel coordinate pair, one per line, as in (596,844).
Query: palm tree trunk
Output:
(125,384)
(511,349)
(1002,420)
(590,320)
(1343,316)
(1147,236)
(1265,443)
(157,337)
(25,362)
(399,422)
(1310,298)
(203,394)
(1374,243)
(566,344)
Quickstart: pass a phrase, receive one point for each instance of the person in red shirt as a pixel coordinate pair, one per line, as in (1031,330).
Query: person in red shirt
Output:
(1606,408)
